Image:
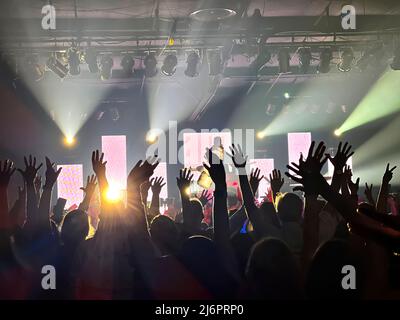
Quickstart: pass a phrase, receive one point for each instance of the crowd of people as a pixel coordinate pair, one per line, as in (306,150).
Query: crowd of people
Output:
(288,247)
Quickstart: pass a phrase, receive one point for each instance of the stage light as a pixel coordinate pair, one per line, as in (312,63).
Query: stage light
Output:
(283,59)
(260,135)
(325,58)
(150,64)
(91,60)
(127,64)
(57,67)
(32,69)
(151,137)
(193,61)
(286,95)
(395,65)
(305,59)
(337,133)
(106,64)
(169,65)
(69,140)
(73,62)
(215,64)
(113,194)
(346,60)
(114,114)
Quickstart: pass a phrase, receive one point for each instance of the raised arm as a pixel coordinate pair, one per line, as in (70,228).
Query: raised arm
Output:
(89,191)
(99,168)
(6,171)
(253,213)
(339,161)
(140,173)
(45,199)
(368,194)
(314,163)
(156,185)
(381,205)
(29,175)
(183,181)
(276,182)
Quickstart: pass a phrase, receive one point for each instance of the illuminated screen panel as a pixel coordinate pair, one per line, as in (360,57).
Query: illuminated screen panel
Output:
(114,148)
(266,167)
(298,142)
(195,144)
(69,183)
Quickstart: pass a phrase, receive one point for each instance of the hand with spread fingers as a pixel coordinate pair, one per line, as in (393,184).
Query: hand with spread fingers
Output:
(308,171)
(30,172)
(255,179)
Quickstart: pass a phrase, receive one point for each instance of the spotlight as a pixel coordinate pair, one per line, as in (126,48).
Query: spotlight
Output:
(151,137)
(33,70)
(215,10)
(150,64)
(69,140)
(57,67)
(263,57)
(260,135)
(283,59)
(395,65)
(169,65)
(325,58)
(106,64)
(305,59)
(127,64)
(193,61)
(73,62)
(113,194)
(215,64)
(346,60)
(91,60)
(337,133)
(286,95)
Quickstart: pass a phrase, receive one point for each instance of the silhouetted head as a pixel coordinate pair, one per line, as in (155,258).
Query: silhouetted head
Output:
(164,234)
(200,256)
(326,272)
(75,227)
(196,215)
(290,207)
(272,271)
(269,211)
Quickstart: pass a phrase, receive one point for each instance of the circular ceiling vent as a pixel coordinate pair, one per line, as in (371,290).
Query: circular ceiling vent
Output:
(215,10)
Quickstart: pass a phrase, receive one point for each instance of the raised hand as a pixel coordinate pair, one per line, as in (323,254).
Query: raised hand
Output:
(276,181)
(184,180)
(353,186)
(30,171)
(255,179)
(6,171)
(205,197)
(157,184)
(309,170)
(37,182)
(143,170)
(215,168)
(238,158)
(90,185)
(99,167)
(388,174)
(51,174)
(368,193)
(342,155)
